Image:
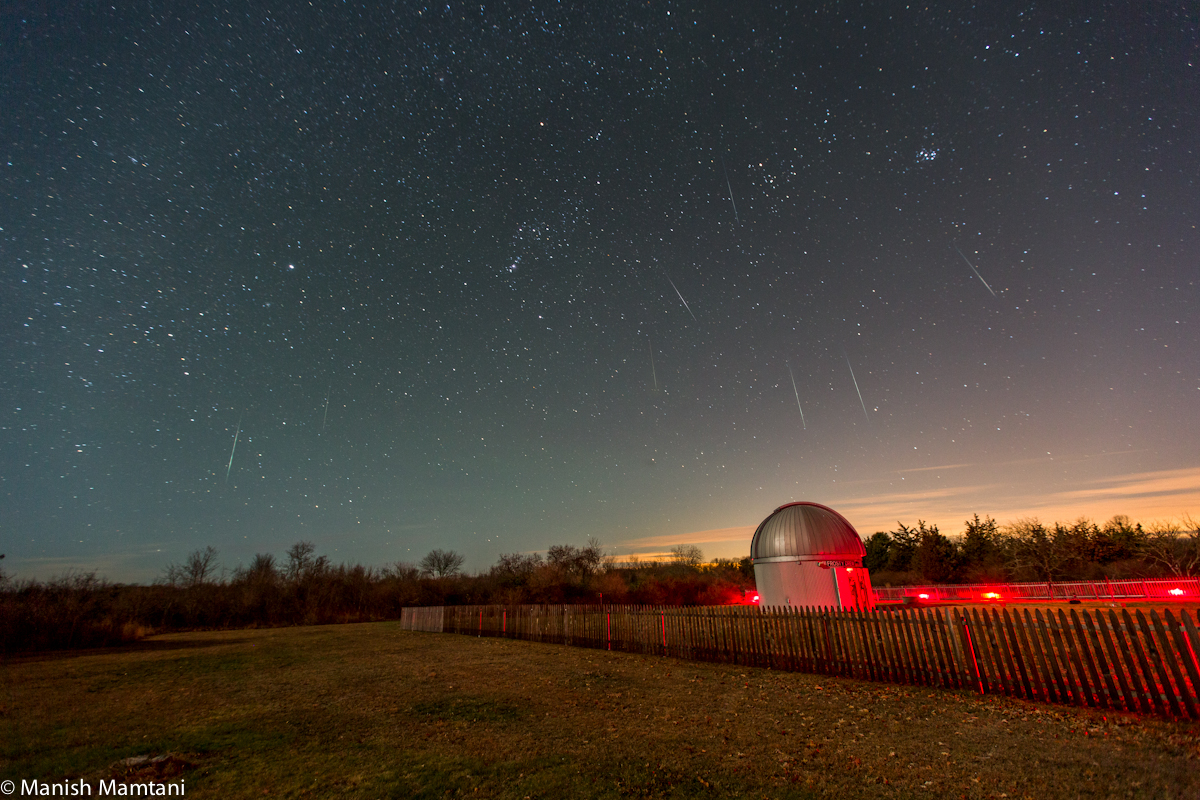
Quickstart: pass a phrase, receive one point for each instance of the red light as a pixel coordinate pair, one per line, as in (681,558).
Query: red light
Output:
(755,600)
(1176,592)
(923,596)
(991,595)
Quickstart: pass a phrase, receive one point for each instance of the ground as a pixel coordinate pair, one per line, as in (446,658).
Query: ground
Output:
(373,711)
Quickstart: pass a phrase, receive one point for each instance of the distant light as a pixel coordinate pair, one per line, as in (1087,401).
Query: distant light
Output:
(991,595)
(291,266)
(755,600)
(923,596)
(1176,592)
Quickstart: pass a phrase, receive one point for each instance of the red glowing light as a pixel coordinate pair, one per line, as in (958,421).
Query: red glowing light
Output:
(923,596)
(754,599)
(991,595)
(1176,592)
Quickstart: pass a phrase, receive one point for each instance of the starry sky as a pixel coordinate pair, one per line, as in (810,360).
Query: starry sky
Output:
(491,277)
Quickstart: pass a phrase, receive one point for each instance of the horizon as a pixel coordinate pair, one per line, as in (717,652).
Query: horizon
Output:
(646,554)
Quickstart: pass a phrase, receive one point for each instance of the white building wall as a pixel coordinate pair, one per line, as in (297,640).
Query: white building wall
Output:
(807,583)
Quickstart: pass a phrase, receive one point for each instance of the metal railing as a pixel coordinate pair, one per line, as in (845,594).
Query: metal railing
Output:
(1154,589)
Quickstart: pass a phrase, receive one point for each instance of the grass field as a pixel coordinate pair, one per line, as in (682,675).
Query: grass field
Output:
(372,711)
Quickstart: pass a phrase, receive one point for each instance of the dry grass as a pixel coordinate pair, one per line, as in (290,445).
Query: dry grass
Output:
(372,711)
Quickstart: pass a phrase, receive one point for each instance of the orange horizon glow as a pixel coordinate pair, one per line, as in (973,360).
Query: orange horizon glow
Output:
(1148,497)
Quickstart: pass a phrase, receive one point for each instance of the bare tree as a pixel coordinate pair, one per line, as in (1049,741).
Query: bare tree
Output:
(401,571)
(688,555)
(442,563)
(199,567)
(582,562)
(516,566)
(261,570)
(1173,548)
(302,563)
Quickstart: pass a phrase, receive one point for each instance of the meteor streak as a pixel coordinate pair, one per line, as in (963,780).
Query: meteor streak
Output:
(860,400)
(730,188)
(324,418)
(233,450)
(797,393)
(676,288)
(972,266)
(653,373)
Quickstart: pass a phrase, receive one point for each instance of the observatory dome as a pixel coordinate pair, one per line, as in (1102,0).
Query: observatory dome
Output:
(805,531)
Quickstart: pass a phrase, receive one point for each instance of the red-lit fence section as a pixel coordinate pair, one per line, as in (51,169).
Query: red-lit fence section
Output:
(1098,659)
(1158,589)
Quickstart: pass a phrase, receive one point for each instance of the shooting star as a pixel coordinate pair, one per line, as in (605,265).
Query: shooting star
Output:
(797,393)
(653,373)
(676,288)
(972,266)
(730,188)
(233,450)
(860,400)
(326,417)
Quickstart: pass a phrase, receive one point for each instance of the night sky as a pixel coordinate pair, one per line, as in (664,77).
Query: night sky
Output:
(494,277)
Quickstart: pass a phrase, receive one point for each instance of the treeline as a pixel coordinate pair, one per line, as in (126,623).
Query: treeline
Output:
(1028,550)
(304,588)
(81,610)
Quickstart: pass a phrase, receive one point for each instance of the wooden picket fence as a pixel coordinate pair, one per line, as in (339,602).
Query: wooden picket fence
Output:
(428,618)
(1097,659)
(1158,589)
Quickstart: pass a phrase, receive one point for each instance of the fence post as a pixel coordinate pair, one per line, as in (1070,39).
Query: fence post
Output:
(828,641)
(971,649)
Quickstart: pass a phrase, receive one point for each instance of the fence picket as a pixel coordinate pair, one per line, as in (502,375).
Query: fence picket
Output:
(971,654)
(1164,682)
(788,621)
(856,661)
(1172,662)
(1186,656)
(1085,651)
(1046,649)
(945,658)
(1192,638)
(908,650)
(1116,700)
(890,669)
(912,635)
(988,675)
(1117,640)
(1004,657)
(866,633)
(841,644)
(1016,655)
(1148,678)
(863,632)
(1079,679)
(953,677)
(954,640)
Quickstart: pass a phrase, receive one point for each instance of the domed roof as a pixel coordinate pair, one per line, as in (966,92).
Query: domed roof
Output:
(805,530)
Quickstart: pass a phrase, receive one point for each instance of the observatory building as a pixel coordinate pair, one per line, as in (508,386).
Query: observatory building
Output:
(806,554)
